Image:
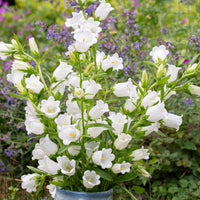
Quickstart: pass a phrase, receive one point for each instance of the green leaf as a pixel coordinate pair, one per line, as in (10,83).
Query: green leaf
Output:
(16,96)
(164,80)
(103,174)
(101,125)
(117,99)
(63,149)
(60,183)
(46,54)
(198,8)
(125,177)
(188,145)
(173,190)
(36,170)
(161,133)
(41,185)
(138,189)
(150,63)
(183,183)
(109,71)
(194,59)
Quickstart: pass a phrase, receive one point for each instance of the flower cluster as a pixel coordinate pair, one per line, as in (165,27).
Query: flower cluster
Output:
(196,41)
(88,140)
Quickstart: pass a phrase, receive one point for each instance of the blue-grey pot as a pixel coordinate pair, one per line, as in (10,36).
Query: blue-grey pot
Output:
(71,195)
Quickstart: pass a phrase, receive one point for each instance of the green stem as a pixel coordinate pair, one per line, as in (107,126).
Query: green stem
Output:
(40,72)
(135,125)
(128,192)
(42,79)
(106,92)
(95,62)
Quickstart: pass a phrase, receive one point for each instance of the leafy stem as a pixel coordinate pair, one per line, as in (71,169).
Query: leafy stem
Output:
(127,192)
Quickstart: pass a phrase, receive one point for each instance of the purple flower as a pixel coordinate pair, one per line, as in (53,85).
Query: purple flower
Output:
(136,5)
(28,37)
(191,101)
(183,21)
(14,17)
(186,61)
(186,102)
(6,3)
(2,10)
(9,152)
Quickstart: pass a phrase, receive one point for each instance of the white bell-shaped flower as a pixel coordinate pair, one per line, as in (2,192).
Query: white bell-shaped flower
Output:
(103,10)
(96,131)
(33,83)
(49,166)
(34,125)
(152,128)
(122,141)
(112,61)
(18,65)
(159,53)
(91,88)
(173,121)
(173,72)
(52,190)
(140,154)
(98,110)
(150,99)
(91,25)
(79,93)
(73,80)
(90,147)
(90,179)
(194,89)
(72,106)
(29,182)
(103,158)
(67,166)
(63,120)
(69,134)
(74,150)
(126,89)
(45,147)
(99,58)
(62,71)
(30,110)
(84,39)
(4,50)
(156,112)
(122,168)
(76,20)
(16,77)
(118,121)
(130,104)
(50,107)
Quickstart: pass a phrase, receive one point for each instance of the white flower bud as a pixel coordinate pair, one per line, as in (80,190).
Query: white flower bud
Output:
(33,46)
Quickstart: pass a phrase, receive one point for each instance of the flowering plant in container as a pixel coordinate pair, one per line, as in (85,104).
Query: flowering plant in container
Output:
(88,125)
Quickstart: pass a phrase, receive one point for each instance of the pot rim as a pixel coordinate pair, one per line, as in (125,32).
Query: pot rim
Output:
(82,193)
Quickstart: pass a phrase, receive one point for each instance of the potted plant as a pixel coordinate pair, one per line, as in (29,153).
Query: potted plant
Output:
(89,126)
